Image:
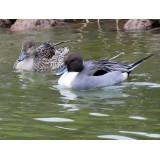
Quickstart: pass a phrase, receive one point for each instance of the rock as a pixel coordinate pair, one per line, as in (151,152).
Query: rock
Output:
(155,23)
(28,24)
(138,24)
(5,22)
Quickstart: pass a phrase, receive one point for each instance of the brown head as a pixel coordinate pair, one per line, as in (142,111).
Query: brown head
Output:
(28,49)
(74,63)
(28,46)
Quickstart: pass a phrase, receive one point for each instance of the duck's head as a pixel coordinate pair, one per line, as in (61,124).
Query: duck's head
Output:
(28,50)
(73,63)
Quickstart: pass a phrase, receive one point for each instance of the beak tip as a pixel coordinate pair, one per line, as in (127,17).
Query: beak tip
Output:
(22,56)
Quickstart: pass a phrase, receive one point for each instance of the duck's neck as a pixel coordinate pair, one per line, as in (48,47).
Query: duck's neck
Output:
(67,78)
(26,64)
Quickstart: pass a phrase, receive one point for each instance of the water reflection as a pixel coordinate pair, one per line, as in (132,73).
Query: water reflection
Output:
(85,98)
(99,93)
(28,79)
(54,119)
(148,84)
(70,129)
(98,114)
(117,137)
(24,78)
(137,118)
(119,37)
(69,107)
(150,135)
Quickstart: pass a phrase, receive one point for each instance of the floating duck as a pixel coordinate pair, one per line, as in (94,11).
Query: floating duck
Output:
(41,57)
(83,75)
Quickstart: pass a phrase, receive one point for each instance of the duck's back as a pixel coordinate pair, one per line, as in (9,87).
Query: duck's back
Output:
(87,78)
(44,64)
(46,50)
(47,57)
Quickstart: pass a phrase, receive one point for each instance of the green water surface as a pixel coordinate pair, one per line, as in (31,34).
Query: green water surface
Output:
(33,106)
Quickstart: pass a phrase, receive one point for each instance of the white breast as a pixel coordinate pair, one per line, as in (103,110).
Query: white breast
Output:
(67,78)
(25,64)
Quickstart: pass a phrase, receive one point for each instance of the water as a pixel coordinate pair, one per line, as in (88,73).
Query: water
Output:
(33,106)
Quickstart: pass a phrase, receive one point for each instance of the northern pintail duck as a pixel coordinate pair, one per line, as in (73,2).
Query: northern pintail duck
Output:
(41,57)
(79,74)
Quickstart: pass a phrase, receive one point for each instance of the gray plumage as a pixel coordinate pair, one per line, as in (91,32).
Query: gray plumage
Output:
(95,73)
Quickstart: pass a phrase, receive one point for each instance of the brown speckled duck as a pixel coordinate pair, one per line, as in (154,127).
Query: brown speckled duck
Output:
(41,57)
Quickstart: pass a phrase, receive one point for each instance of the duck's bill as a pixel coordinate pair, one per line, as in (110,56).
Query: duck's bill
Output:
(61,71)
(22,56)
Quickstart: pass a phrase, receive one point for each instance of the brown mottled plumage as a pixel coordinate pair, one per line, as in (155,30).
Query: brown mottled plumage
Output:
(42,57)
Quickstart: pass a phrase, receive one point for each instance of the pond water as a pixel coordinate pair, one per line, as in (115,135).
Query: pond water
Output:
(33,106)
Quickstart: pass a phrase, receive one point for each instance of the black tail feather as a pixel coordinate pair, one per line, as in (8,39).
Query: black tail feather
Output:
(134,65)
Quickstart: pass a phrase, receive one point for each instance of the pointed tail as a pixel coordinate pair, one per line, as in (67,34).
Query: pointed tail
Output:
(136,64)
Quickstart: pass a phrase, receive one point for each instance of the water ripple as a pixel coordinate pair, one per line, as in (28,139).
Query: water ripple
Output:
(103,93)
(71,129)
(99,114)
(54,119)
(138,117)
(142,134)
(149,84)
(72,107)
(117,137)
